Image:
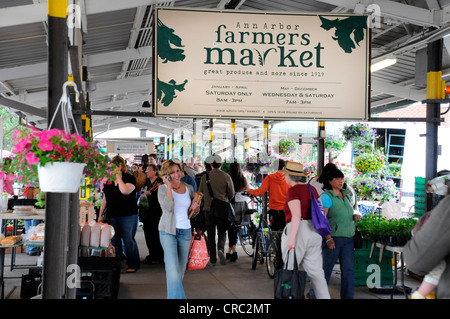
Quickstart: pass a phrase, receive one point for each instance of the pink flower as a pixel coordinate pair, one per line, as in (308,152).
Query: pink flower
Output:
(45,145)
(80,141)
(32,159)
(50,133)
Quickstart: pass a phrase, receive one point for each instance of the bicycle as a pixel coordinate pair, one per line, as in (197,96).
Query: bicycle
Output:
(267,245)
(246,230)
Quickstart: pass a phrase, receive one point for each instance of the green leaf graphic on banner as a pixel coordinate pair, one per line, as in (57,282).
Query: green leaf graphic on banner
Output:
(344,29)
(166,37)
(168,90)
(262,57)
(168,49)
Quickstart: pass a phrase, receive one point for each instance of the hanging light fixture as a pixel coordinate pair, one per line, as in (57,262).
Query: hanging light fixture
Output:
(382,64)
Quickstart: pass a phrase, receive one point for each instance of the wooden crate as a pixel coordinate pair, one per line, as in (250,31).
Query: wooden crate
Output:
(87,212)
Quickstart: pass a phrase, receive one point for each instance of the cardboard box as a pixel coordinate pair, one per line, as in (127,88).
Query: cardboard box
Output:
(87,212)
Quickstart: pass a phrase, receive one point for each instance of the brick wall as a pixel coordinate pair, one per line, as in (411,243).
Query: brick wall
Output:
(417,110)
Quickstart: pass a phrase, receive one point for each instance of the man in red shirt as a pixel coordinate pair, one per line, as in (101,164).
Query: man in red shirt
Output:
(276,185)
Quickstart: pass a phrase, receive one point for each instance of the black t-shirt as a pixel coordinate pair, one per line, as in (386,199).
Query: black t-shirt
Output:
(118,204)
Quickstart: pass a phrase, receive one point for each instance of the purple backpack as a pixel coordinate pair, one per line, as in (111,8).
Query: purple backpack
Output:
(320,220)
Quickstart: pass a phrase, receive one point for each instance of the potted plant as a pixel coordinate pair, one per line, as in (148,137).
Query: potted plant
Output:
(392,232)
(254,164)
(35,151)
(286,147)
(374,189)
(371,162)
(360,135)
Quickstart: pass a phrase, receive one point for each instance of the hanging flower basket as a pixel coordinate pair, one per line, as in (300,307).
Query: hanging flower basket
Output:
(61,177)
(286,147)
(35,150)
(373,162)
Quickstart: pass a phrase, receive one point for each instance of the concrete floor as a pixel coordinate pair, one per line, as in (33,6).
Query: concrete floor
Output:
(225,282)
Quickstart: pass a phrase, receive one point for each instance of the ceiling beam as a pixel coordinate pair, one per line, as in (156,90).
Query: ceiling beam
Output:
(93,60)
(17,105)
(399,11)
(37,12)
(139,83)
(405,92)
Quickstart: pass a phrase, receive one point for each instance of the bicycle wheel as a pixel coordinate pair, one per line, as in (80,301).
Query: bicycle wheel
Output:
(273,256)
(256,250)
(246,238)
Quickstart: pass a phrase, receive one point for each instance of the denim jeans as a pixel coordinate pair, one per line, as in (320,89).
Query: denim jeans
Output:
(176,252)
(345,252)
(125,228)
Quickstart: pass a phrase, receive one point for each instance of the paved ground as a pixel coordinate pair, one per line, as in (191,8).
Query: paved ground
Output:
(234,281)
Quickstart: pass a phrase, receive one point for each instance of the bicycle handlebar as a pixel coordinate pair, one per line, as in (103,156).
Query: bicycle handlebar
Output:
(252,197)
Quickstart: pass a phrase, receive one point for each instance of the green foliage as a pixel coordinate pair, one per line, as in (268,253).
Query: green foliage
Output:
(389,231)
(373,162)
(335,144)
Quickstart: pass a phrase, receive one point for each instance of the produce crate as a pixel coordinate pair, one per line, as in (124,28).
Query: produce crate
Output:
(103,273)
(362,262)
(419,197)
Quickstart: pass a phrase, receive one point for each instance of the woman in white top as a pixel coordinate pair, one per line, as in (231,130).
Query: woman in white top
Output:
(175,227)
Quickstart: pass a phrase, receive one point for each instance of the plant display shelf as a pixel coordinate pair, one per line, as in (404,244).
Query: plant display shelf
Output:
(398,255)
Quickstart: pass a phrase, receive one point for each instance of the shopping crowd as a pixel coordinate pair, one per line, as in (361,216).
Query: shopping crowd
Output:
(162,198)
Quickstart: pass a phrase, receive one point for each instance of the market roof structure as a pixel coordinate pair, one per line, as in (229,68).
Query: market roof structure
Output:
(117,53)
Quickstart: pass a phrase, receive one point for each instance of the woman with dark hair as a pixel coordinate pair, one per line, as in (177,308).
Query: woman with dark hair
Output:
(151,215)
(240,206)
(336,202)
(120,202)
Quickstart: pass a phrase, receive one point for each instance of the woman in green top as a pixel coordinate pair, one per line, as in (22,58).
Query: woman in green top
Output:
(337,205)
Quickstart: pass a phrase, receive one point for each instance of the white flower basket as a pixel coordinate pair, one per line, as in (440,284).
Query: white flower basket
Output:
(61,177)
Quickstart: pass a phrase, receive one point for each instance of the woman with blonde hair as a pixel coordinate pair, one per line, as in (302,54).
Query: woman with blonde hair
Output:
(175,234)
(119,200)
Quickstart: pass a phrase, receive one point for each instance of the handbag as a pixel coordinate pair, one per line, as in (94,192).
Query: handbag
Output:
(143,200)
(357,239)
(319,219)
(219,208)
(198,252)
(289,284)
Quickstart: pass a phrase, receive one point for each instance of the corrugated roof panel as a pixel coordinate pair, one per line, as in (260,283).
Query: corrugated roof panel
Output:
(24,45)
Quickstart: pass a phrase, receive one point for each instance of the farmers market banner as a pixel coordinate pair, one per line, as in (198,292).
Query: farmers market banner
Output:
(260,65)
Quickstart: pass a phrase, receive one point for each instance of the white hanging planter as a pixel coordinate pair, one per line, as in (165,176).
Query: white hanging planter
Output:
(61,177)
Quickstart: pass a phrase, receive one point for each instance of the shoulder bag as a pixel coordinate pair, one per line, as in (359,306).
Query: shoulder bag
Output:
(219,208)
(289,284)
(320,220)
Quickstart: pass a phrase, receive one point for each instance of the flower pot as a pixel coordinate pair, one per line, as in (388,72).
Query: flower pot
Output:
(61,177)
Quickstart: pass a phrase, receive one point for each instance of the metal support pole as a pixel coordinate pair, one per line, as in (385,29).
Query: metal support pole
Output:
(246,143)
(57,205)
(181,147)
(434,91)
(173,145)
(211,136)
(233,139)
(266,152)
(320,147)
(167,142)
(194,138)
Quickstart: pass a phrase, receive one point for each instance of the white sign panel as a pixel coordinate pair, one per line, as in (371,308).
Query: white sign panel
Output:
(260,65)
(131,148)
